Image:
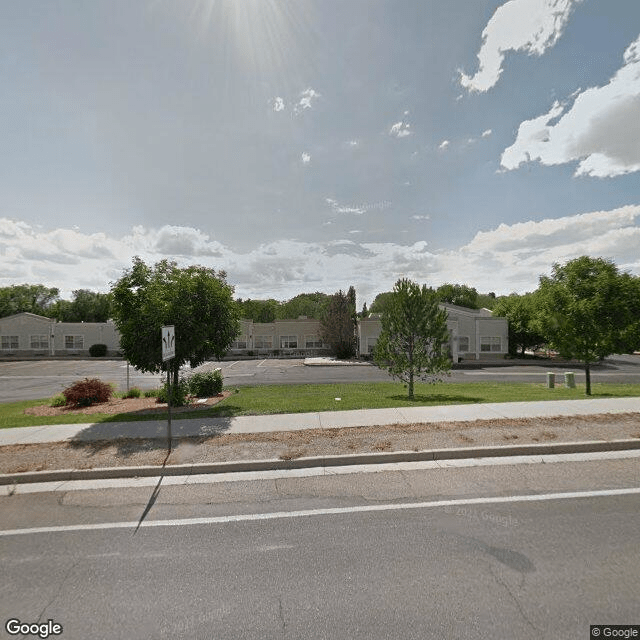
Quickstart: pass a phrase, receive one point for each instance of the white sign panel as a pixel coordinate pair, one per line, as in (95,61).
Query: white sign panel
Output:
(168,343)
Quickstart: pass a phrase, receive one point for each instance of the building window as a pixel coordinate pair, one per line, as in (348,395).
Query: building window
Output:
(288,342)
(312,342)
(39,342)
(371,344)
(263,342)
(463,344)
(9,342)
(74,342)
(239,344)
(490,344)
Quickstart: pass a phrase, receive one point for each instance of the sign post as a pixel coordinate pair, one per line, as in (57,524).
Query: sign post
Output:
(168,352)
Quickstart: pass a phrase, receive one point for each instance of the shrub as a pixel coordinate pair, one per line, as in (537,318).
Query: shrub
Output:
(179,394)
(85,392)
(134,392)
(58,401)
(151,393)
(98,350)
(204,385)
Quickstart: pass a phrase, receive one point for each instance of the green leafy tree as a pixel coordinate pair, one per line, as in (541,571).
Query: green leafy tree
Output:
(86,306)
(589,310)
(337,325)
(263,311)
(379,303)
(312,305)
(196,300)
(487,300)
(30,298)
(458,294)
(521,311)
(414,340)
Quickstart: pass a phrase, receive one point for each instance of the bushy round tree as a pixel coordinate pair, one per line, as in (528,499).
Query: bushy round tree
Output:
(196,300)
(589,310)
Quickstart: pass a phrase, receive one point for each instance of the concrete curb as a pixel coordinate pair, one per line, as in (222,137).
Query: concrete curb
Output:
(65,475)
(328,362)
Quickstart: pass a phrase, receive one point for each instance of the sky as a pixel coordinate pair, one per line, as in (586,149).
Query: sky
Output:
(310,145)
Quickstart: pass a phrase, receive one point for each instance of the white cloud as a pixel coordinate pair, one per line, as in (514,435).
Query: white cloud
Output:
(513,256)
(601,129)
(443,145)
(278,104)
(507,258)
(305,157)
(400,129)
(486,133)
(417,217)
(518,25)
(307,99)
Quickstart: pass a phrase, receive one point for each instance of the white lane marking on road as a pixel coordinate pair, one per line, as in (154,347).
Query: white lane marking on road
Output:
(309,472)
(275,547)
(279,515)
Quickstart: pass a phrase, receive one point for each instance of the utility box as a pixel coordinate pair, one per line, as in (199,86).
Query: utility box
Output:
(551,380)
(570,380)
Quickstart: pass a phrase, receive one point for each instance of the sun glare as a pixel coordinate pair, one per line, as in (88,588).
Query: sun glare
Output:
(261,36)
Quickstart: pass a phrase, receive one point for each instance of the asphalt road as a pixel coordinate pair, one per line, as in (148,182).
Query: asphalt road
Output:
(28,380)
(340,555)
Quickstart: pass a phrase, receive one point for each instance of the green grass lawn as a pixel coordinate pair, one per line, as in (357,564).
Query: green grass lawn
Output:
(322,397)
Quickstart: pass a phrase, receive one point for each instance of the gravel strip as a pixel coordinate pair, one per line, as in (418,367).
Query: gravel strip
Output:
(286,445)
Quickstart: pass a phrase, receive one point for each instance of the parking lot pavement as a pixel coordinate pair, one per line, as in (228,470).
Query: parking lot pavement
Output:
(33,379)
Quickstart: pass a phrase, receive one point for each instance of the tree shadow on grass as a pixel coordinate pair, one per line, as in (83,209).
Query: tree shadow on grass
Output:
(218,411)
(436,398)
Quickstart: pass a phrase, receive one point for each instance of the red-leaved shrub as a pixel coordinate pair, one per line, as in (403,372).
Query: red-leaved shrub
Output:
(87,392)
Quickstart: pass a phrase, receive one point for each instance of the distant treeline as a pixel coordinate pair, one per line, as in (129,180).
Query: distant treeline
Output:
(314,305)
(90,306)
(85,306)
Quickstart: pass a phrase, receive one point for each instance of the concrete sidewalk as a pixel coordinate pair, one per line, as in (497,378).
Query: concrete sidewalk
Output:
(316,420)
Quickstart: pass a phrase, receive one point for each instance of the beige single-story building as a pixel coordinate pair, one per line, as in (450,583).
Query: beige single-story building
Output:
(474,334)
(28,334)
(281,337)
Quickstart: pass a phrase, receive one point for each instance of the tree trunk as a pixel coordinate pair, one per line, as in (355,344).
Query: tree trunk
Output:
(411,385)
(587,374)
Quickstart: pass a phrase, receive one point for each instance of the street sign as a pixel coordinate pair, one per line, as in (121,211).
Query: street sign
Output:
(168,343)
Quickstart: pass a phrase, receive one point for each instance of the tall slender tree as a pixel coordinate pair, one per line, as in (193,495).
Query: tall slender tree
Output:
(414,340)
(337,325)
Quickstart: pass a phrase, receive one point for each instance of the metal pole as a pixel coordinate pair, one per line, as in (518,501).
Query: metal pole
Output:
(168,407)
(127,376)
